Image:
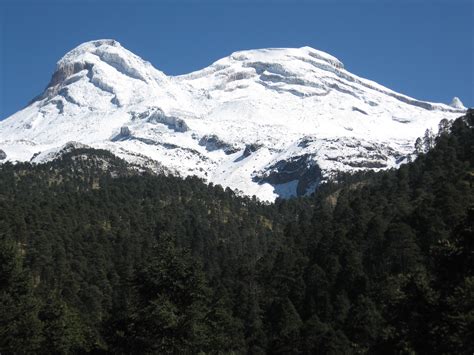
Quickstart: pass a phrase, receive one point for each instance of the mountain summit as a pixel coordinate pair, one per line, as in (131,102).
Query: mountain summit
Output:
(270,122)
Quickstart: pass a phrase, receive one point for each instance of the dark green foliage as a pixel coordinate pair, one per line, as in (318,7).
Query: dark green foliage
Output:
(172,302)
(98,257)
(20,328)
(63,332)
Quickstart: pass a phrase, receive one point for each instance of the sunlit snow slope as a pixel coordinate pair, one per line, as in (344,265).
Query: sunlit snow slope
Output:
(269,122)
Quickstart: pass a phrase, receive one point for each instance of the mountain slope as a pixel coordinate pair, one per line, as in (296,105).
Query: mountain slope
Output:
(96,258)
(270,122)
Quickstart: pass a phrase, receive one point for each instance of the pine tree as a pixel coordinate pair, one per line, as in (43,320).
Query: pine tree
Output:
(428,140)
(63,330)
(20,328)
(171,306)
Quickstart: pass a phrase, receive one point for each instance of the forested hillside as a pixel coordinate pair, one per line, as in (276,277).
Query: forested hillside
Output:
(98,257)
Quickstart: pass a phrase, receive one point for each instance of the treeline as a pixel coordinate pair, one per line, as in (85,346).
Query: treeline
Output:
(97,257)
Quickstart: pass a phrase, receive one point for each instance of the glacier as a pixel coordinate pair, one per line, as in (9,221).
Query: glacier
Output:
(271,122)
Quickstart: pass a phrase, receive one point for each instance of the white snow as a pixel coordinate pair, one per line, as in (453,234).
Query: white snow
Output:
(457,103)
(273,98)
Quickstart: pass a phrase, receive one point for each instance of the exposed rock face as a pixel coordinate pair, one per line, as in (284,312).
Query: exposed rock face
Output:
(302,169)
(268,122)
(3,155)
(213,142)
(156,115)
(125,131)
(250,148)
(358,110)
(59,79)
(64,71)
(124,134)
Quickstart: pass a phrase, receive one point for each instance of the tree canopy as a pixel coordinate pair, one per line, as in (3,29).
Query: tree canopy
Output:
(97,256)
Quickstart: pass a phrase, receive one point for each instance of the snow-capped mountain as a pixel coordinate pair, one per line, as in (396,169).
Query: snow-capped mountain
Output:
(269,122)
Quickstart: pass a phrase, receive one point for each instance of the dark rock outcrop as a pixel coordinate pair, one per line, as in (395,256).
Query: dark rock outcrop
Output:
(302,168)
(123,135)
(358,110)
(125,131)
(250,148)
(213,142)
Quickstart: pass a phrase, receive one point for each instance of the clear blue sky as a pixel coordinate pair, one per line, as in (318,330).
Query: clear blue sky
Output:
(421,48)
